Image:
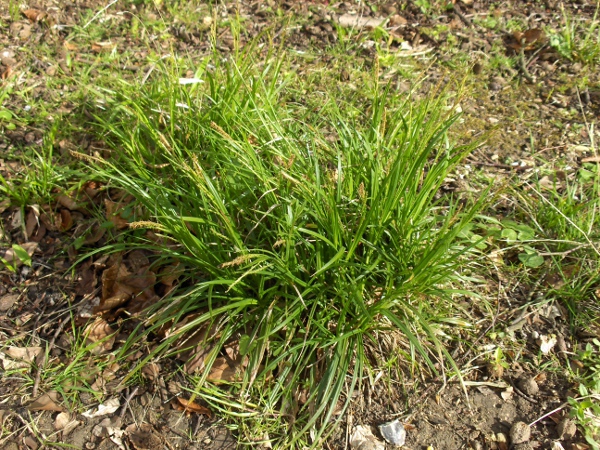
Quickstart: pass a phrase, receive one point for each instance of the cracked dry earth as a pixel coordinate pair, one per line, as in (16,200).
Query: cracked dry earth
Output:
(519,405)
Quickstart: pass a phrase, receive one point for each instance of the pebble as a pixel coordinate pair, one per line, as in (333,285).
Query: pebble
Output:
(493,86)
(529,386)
(520,433)
(523,446)
(397,19)
(566,429)
(7,59)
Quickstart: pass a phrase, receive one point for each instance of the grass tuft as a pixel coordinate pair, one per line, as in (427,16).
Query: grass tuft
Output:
(304,234)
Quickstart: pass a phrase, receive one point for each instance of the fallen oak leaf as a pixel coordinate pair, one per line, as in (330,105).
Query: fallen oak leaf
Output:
(113,214)
(67,202)
(47,402)
(27,354)
(190,407)
(35,15)
(100,336)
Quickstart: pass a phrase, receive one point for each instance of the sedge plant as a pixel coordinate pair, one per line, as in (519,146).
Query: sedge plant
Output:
(298,247)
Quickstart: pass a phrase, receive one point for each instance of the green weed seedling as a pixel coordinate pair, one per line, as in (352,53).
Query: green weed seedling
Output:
(19,255)
(577,41)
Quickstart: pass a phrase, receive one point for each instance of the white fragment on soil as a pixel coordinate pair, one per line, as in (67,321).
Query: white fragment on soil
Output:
(185,81)
(109,407)
(547,343)
(364,439)
(65,423)
(519,433)
(393,432)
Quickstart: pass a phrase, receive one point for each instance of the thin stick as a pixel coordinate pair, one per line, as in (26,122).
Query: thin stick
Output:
(100,12)
(549,414)
(127,401)
(461,16)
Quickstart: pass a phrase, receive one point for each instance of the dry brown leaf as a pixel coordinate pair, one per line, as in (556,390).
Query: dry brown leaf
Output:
(113,213)
(35,15)
(151,371)
(7,301)
(47,402)
(143,437)
(96,233)
(191,407)
(120,285)
(27,354)
(32,221)
(67,202)
(100,332)
(222,371)
(66,220)
(100,47)
(4,205)
(528,40)
(590,159)
(112,302)
(70,46)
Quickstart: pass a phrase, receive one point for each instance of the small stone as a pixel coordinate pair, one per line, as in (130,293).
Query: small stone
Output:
(389,9)
(393,432)
(493,86)
(397,20)
(529,386)
(25,32)
(7,301)
(51,71)
(7,59)
(498,79)
(566,429)
(520,433)
(576,68)
(523,446)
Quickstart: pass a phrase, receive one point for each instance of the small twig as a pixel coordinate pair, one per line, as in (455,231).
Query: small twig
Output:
(99,12)
(523,65)
(460,15)
(566,252)
(38,375)
(549,414)
(127,401)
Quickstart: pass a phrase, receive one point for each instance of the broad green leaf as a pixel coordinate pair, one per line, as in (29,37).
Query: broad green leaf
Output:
(532,260)
(22,254)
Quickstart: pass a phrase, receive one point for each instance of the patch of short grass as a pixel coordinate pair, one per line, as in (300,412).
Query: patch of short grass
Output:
(578,41)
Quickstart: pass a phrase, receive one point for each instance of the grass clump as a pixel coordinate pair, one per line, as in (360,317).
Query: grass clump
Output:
(303,232)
